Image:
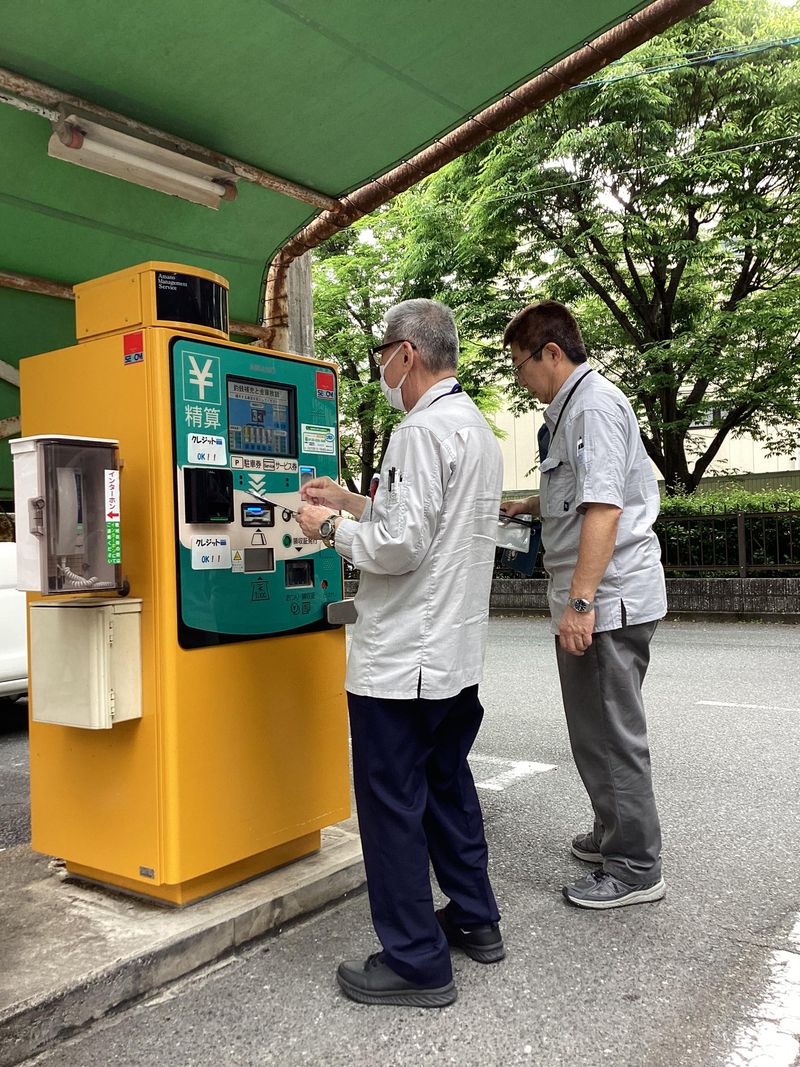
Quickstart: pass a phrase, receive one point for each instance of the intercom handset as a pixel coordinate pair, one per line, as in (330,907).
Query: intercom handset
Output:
(69,512)
(67,529)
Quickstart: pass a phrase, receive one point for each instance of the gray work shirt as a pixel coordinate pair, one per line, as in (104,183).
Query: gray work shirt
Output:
(425,547)
(597,457)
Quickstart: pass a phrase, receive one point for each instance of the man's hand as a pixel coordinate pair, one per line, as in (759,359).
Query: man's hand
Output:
(529,506)
(309,517)
(324,492)
(575,630)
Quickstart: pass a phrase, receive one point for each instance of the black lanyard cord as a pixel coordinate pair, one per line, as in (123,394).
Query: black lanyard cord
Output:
(456,389)
(571,393)
(545,437)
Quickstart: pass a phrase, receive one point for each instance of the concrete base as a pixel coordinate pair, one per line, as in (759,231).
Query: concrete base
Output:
(71,952)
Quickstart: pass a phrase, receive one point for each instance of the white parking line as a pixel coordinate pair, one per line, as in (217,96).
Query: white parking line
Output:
(750,707)
(513,772)
(773,1039)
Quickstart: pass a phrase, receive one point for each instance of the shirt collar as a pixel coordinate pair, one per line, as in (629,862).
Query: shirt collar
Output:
(554,409)
(436,390)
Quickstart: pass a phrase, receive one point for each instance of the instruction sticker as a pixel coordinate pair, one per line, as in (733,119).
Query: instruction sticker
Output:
(212,553)
(319,439)
(208,450)
(113,548)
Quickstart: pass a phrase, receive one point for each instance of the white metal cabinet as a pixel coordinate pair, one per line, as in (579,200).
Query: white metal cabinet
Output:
(86,662)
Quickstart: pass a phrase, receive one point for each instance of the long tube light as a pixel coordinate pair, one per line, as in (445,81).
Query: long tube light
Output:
(79,138)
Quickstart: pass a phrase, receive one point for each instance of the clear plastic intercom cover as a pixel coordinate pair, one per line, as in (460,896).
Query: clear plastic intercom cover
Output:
(79,556)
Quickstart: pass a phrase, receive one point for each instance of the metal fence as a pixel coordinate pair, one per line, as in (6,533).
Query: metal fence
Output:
(739,543)
(723,543)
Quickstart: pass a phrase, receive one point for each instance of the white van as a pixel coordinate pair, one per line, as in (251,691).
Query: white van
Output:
(13,629)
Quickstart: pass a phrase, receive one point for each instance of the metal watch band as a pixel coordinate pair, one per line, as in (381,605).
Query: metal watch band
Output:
(329,538)
(580,604)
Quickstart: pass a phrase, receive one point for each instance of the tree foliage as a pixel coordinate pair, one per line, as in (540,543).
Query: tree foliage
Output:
(661,202)
(357,279)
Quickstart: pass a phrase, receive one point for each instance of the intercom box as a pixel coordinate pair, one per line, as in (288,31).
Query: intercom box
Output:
(66,492)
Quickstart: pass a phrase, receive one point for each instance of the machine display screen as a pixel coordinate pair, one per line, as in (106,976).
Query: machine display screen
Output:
(261,418)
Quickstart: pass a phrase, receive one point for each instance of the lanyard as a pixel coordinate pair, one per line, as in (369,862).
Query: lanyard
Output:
(572,391)
(456,389)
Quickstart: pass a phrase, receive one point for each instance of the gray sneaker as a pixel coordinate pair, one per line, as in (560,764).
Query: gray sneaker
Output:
(602,890)
(586,848)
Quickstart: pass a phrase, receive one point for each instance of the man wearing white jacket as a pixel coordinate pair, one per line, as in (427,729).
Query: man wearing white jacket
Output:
(425,548)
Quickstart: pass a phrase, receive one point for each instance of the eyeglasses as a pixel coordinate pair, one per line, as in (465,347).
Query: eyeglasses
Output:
(376,353)
(517,367)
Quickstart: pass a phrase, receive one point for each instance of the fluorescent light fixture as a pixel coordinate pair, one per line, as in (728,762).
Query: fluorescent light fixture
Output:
(79,137)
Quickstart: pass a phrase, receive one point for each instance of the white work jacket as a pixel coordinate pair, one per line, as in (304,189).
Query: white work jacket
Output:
(425,548)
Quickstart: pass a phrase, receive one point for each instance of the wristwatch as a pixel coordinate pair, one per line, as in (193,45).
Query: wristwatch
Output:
(327,530)
(577,603)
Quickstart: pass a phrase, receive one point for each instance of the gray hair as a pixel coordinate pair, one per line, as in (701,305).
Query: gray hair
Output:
(430,327)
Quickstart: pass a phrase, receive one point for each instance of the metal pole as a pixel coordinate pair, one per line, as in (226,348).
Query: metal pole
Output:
(742,544)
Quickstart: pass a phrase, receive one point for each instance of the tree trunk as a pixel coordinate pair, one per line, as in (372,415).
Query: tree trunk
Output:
(368,441)
(677,476)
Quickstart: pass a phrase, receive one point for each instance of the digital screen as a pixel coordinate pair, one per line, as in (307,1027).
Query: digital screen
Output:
(258,515)
(261,420)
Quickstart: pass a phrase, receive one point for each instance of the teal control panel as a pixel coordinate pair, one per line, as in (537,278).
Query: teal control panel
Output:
(248,431)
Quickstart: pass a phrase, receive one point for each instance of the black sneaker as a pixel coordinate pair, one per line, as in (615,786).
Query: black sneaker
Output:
(602,890)
(586,848)
(481,943)
(374,982)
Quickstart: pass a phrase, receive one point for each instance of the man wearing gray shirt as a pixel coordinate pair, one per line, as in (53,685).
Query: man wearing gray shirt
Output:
(598,499)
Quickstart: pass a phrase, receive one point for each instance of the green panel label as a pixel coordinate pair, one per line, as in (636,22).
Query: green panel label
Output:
(113,543)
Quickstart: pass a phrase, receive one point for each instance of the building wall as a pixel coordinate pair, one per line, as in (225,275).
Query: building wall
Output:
(737,456)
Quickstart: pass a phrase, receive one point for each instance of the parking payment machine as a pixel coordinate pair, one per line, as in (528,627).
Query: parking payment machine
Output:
(238,756)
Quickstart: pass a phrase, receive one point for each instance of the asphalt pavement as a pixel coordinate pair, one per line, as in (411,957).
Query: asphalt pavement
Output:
(15,818)
(709,977)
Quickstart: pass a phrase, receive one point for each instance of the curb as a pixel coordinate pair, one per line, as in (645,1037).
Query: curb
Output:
(210,929)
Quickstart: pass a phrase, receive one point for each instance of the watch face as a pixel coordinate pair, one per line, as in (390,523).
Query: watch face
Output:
(325,528)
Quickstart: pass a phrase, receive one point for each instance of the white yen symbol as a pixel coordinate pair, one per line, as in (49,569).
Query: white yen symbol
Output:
(203,379)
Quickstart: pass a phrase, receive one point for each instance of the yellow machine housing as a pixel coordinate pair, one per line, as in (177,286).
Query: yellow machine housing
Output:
(240,756)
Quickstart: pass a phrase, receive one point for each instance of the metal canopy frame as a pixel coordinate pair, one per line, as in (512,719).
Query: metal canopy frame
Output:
(320,111)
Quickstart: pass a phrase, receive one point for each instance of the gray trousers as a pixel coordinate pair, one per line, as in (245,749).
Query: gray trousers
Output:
(602,693)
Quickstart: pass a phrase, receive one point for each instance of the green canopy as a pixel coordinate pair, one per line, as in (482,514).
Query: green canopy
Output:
(326,93)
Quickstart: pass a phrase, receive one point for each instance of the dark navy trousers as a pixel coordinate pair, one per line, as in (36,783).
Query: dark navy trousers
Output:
(417,805)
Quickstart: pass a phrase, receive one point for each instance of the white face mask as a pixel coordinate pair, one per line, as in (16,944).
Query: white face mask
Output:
(393,394)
